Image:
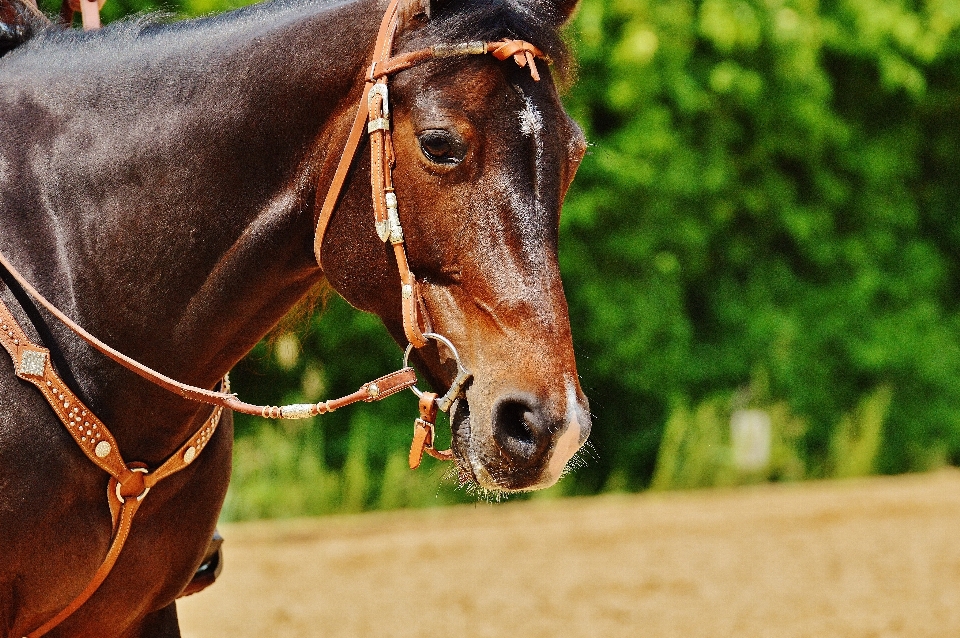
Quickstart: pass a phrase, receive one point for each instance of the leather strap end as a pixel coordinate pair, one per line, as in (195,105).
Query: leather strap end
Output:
(90,13)
(421,432)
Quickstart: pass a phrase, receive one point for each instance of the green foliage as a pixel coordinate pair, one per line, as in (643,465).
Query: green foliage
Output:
(769,209)
(855,442)
(773,185)
(697,447)
(692,452)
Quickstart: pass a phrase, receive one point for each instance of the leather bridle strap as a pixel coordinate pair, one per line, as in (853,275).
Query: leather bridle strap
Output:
(89,12)
(374,113)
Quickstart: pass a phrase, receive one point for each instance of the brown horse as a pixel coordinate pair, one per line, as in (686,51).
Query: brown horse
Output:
(158,183)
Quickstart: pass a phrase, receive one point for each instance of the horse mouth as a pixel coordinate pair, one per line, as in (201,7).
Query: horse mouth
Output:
(460,441)
(472,472)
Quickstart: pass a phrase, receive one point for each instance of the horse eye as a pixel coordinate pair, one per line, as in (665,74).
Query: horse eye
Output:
(441,147)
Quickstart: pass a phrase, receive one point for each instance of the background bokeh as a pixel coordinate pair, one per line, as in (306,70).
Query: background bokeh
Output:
(767,220)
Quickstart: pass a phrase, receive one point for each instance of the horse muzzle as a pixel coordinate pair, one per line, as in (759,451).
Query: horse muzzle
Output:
(515,441)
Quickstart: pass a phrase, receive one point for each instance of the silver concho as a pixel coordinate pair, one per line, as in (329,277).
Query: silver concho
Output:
(103,448)
(33,362)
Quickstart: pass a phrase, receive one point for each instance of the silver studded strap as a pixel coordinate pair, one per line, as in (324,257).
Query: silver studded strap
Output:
(129,482)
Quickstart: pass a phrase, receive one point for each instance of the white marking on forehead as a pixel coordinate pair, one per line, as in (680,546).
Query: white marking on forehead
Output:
(531,125)
(531,121)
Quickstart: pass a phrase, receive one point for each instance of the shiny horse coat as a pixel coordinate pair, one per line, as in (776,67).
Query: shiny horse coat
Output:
(158,183)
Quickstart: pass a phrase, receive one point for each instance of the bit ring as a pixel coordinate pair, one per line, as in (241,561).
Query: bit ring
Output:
(463,375)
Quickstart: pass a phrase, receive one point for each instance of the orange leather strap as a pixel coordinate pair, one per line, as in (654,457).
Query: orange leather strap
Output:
(424,431)
(129,483)
(129,508)
(89,12)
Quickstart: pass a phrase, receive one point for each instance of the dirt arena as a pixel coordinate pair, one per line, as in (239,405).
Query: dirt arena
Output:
(866,558)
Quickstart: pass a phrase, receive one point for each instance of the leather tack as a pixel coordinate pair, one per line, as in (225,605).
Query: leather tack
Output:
(421,432)
(128,481)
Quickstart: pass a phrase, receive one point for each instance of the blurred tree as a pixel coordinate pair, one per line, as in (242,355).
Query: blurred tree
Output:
(773,187)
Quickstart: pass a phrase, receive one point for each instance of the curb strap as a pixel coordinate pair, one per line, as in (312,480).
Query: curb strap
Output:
(424,429)
(129,482)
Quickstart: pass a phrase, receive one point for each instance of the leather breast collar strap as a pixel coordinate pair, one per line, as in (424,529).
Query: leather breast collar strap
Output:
(129,482)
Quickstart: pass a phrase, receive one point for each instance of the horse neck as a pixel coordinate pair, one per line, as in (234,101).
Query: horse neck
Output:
(184,233)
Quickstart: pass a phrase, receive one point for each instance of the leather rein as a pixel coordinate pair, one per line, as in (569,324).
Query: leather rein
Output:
(130,482)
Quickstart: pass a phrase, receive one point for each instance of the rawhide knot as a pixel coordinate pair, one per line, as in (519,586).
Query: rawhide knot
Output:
(523,54)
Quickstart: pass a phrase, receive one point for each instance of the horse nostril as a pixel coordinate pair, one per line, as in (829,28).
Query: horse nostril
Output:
(516,428)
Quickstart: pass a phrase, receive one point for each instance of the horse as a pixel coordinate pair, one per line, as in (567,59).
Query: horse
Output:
(160,184)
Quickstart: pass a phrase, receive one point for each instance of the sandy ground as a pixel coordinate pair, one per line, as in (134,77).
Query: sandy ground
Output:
(865,558)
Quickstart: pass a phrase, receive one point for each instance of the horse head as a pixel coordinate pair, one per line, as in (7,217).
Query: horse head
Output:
(484,156)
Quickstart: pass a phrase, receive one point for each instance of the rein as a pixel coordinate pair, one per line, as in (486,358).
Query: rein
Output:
(130,482)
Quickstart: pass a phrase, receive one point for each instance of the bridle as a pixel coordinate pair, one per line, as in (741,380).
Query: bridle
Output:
(130,482)
(373,114)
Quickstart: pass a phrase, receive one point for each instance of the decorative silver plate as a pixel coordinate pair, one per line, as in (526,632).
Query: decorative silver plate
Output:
(33,362)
